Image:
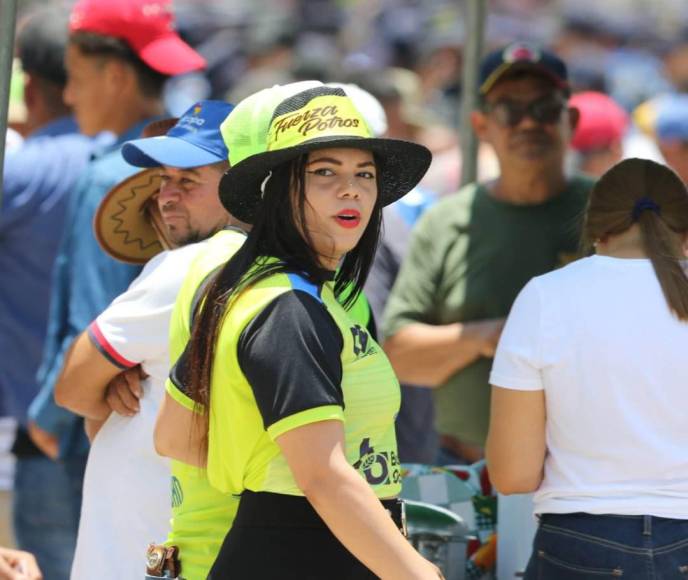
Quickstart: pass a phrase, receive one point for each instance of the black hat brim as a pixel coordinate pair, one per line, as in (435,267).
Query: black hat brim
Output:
(403,165)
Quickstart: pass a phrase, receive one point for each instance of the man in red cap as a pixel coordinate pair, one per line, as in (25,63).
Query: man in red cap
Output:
(120,53)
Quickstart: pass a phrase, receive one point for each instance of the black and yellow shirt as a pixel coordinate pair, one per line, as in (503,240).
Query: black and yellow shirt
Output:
(287,355)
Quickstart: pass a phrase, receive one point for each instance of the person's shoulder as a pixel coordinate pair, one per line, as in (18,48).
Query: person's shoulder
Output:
(209,254)
(177,259)
(109,168)
(185,254)
(569,276)
(580,184)
(64,143)
(46,152)
(44,167)
(170,267)
(450,209)
(283,291)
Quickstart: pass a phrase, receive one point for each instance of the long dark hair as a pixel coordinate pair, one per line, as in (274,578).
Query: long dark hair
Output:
(663,219)
(275,234)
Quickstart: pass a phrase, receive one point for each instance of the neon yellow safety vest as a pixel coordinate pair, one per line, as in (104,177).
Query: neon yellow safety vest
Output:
(201,515)
(242,454)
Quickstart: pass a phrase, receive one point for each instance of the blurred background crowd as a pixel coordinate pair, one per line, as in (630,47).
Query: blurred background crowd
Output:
(627,64)
(410,55)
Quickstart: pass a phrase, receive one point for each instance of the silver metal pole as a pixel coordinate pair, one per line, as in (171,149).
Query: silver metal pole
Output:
(8,16)
(475,24)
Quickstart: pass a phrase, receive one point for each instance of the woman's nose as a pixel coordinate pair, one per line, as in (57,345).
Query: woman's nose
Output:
(349,188)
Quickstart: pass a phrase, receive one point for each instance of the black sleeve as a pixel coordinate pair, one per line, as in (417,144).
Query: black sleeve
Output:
(291,355)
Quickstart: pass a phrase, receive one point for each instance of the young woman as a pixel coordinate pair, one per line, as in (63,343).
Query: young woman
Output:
(589,390)
(301,399)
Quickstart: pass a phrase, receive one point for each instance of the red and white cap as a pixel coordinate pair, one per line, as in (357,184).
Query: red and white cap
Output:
(147,26)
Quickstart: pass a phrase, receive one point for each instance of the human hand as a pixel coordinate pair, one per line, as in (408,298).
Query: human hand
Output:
(44,440)
(124,391)
(487,333)
(18,565)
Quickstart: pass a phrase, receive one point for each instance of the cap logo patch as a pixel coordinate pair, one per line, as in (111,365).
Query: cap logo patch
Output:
(192,122)
(151,9)
(521,52)
(324,116)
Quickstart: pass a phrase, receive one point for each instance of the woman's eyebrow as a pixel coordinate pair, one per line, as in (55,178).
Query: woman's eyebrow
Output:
(337,162)
(327,159)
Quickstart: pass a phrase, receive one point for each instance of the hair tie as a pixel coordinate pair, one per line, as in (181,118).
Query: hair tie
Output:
(644,203)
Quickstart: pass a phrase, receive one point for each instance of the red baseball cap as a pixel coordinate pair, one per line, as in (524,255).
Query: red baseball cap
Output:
(147,26)
(602,121)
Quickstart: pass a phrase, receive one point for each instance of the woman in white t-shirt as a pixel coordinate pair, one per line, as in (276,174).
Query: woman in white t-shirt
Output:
(590,390)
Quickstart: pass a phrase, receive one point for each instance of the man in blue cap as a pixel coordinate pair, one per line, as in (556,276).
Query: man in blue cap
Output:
(121,361)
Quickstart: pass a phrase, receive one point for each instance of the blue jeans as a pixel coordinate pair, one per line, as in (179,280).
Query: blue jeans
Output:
(47,505)
(584,546)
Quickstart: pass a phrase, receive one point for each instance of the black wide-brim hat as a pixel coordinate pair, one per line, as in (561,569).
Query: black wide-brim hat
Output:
(320,118)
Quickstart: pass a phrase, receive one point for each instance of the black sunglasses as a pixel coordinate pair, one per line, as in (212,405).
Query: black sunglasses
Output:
(545,111)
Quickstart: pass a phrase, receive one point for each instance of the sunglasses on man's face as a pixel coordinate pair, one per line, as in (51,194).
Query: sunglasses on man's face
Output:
(544,111)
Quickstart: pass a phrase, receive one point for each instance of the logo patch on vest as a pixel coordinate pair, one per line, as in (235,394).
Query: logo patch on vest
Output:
(177,493)
(378,468)
(363,346)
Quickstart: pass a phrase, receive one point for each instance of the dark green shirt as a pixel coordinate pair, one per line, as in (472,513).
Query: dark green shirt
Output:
(470,256)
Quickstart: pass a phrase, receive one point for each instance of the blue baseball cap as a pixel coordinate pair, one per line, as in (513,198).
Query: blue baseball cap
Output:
(672,118)
(522,56)
(195,140)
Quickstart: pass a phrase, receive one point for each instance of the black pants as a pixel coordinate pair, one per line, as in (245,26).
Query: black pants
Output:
(280,537)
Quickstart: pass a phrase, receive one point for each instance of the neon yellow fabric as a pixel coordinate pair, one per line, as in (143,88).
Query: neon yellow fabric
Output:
(243,455)
(329,115)
(201,515)
(359,311)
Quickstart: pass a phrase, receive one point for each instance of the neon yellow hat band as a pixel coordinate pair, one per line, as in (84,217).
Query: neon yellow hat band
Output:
(324,116)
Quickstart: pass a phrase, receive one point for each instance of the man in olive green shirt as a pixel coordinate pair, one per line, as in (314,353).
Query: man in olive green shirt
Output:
(472,252)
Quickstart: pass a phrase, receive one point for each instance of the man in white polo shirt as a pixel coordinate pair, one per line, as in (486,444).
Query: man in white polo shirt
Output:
(126,497)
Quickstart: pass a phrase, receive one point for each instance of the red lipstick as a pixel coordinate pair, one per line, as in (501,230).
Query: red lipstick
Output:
(348,218)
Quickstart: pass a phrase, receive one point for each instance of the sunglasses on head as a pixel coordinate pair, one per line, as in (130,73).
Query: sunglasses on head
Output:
(545,111)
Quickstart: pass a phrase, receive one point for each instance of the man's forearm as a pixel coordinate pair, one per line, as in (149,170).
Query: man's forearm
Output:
(82,383)
(425,354)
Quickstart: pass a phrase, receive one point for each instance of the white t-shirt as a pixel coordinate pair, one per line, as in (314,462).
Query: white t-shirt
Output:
(126,497)
(598,337)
